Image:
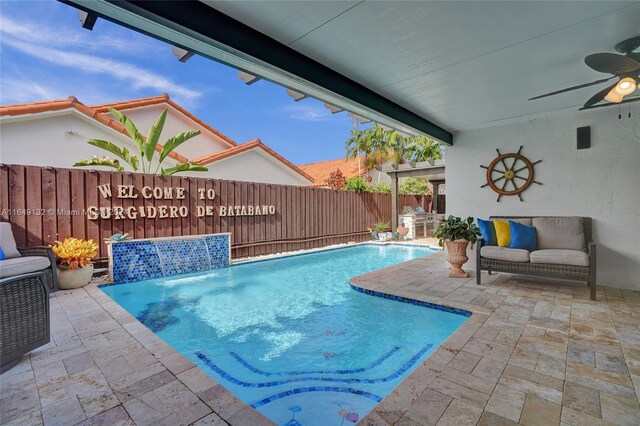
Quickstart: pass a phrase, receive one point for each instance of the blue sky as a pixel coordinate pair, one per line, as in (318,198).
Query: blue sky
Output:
(45,54)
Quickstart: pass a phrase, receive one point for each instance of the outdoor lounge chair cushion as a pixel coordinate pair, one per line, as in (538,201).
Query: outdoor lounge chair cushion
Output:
(23,265)
(560,257)
(559,233)
(504,253)
(7,242)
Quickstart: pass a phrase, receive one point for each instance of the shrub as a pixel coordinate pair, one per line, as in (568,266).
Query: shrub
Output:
(381,187)
(356,184)
(336,180)
(415,186)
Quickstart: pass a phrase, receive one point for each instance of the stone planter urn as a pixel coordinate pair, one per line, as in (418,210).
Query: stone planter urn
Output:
(457,256)
(69,279)
(383,236)
(403,231)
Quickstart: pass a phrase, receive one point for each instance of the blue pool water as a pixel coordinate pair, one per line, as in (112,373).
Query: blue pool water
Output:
(289,336)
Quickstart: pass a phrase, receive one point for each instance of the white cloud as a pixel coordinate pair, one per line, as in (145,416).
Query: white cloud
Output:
(38,41)
(307,112)
(16,90)
(87,40)
(139,78)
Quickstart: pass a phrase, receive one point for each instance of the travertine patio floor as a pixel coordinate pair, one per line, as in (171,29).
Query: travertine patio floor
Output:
(534,352)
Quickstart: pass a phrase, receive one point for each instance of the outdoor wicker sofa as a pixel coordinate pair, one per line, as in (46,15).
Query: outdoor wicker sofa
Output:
(565,250)
(24,316)
(24,260)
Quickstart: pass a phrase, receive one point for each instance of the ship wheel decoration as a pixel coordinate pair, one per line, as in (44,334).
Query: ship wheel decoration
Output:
(510,174)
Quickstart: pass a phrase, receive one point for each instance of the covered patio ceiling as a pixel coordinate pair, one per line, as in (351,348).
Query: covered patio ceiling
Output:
(421,67)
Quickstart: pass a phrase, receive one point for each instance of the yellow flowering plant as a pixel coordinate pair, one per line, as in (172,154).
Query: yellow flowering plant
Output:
(74,253)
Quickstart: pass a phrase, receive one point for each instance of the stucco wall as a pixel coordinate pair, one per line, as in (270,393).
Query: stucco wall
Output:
(44,142)
(252,166)
(199,146)
(602,182)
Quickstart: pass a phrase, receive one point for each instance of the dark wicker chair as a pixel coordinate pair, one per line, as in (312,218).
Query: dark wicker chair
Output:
(570,272)
(50,274)
(24,315)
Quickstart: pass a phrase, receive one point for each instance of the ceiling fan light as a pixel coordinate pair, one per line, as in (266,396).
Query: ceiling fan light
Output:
(625,86)
(613,96)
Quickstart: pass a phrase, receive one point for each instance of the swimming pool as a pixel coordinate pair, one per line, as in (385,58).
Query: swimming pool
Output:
(289,336)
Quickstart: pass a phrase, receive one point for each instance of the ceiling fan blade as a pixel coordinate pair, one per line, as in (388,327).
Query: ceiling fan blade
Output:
(628,45)
(599,96)
(568,89)
(611,63)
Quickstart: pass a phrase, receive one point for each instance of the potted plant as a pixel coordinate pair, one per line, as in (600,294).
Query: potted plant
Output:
(380,228)
(402,231)
(73,258)
(456,234)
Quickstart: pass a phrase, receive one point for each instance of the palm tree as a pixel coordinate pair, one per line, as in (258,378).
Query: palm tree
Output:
(422,148)
(378,145)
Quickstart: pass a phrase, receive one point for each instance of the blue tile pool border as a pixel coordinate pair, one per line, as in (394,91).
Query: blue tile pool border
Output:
(313,251)
(305,253)
(422,303)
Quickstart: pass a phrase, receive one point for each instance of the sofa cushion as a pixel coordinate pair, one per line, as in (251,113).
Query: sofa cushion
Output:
(7,242)
(560,257)
(23,265)
(559,233)
(488,232)
(522,236)
(503,234)
(504,253)
(523,220)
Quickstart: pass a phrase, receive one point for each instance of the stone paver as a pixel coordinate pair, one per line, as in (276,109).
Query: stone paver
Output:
(535,351)
(102,367)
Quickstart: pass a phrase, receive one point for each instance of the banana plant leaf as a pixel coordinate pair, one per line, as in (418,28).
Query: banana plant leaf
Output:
(123,152)
(182,167)
(130,127)
(98,162)
(149,146)
(175,141)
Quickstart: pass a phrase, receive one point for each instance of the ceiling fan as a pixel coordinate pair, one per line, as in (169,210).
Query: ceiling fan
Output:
(625,67)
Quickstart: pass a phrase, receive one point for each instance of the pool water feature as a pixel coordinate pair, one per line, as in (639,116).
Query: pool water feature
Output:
(290,336)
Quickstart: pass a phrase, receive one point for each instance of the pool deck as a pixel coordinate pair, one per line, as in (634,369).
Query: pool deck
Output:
(534,352)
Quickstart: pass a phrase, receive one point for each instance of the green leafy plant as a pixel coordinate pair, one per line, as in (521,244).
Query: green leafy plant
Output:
(415,186)
(455,228)
(381,226)
(356,184)
(380,187)
(146,148)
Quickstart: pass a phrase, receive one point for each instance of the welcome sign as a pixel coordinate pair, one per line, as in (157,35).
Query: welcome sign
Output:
(166,211)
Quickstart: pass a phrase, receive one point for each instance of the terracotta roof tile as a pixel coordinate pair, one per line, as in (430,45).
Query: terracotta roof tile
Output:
(73,102)
(321,170)
(155,100)
(97,113)
(255,143)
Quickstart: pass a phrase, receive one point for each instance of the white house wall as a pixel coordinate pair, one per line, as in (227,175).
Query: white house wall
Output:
(204,144)
(58,140)
(602,182)
(253,166)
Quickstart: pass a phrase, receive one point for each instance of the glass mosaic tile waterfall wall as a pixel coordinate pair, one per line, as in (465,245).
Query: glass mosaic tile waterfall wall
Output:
(138,260)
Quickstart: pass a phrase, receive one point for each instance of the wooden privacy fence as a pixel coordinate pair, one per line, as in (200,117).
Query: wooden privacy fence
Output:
(45,204)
